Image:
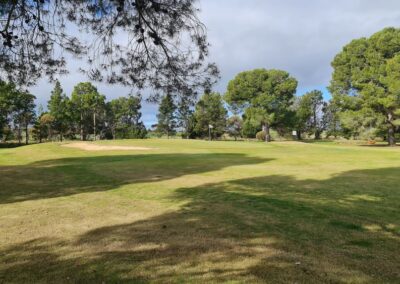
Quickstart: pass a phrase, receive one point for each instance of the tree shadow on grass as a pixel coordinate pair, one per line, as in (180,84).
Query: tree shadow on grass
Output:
(63,177)
(269,229)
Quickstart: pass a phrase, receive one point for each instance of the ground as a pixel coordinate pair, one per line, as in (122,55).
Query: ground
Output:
(197,211)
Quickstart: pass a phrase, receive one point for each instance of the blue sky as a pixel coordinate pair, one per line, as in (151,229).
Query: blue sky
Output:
(301,37)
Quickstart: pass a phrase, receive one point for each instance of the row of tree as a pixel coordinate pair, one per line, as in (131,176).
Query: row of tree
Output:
(258,100)
(365,102)
(86,113)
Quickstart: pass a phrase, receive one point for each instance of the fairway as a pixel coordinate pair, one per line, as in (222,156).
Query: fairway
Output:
(198,211)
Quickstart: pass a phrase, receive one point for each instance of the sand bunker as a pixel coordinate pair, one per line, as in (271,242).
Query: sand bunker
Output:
(94,147)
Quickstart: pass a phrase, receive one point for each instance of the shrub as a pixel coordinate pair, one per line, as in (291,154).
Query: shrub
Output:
(261,135)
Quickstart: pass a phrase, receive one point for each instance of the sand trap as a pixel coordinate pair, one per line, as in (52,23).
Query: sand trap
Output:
(94,147)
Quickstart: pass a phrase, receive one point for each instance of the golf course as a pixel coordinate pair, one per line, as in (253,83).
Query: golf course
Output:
(182,211)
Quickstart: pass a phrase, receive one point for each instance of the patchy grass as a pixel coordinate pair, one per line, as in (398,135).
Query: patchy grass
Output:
(196,211)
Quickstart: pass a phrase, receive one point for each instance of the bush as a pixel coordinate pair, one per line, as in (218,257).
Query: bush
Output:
(261,135)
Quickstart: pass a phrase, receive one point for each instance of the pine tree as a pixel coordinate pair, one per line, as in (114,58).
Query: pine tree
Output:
(166,116)
(185,115)
(58,108)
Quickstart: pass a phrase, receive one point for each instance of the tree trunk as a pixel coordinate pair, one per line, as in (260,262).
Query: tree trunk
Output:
(391,135)
(317,135)
(61,136)
(81,126)
(94,126)
(19,134)
(391,132)
(267,132)
(298,134)
(26,133)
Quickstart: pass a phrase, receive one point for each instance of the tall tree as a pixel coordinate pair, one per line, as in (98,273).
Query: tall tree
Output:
(85,102)
(23,105)
(43,127)
(268,92)
(210,112)
(123,117)
(7,96)
(185,114)
(58,108)
(331,120)
(366,79)
(309,113)
(35,39)
(166,116)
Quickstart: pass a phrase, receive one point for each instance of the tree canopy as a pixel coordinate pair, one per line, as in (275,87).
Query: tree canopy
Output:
(210,111)
(164,44)
(365,82)
(268,92)
(166,116)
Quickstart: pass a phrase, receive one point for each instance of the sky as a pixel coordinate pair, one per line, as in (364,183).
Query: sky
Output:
(298,36)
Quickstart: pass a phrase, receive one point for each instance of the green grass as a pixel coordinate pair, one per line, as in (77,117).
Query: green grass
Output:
(197,211)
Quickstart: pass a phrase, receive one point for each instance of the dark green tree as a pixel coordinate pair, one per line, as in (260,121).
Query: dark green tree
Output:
(269,93)
(7,96)
(309,113)
(123,118)
(365,81)
(23,109)
(58,108)
(166,116)
(184,115)
(210,112)
(86,103)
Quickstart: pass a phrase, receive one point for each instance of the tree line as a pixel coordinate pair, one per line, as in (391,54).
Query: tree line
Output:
(365,104)
(83,115)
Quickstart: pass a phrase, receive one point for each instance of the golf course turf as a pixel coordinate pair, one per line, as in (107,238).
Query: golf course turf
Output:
(197,211)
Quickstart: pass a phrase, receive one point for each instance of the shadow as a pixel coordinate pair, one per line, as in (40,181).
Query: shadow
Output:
(12,145)
(380,145)
(68,176)
(268,229)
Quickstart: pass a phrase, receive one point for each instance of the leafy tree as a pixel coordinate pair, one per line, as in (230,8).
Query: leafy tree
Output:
(210,111)
(166,116)
(123,118)
(34,31)
(43,127)
(7,96)
(267,93)
(331,120)
(251,123)
(234,126)
(366,80)
(58,108)
(309,113)
(23,106)
(184,115)
(86,102)
(114,115)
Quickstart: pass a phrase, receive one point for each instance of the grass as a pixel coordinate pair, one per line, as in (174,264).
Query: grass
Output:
(197,211)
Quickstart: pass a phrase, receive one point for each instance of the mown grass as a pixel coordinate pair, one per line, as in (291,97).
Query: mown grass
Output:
(196,211)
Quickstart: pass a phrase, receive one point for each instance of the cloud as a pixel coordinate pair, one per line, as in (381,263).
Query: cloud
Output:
(301,37)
